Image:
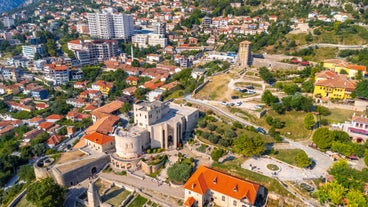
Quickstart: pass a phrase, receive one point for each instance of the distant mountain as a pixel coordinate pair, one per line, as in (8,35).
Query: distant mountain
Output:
(7,5)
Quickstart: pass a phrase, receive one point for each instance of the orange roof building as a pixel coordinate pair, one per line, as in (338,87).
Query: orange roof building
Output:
(100,142)
(329,84)
(54,140)
(207,185)
(105,110)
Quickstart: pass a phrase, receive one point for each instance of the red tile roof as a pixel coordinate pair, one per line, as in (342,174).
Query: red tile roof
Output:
(99,138)
(55,116)
(55,139)
(46,125)
(205,178)
(107,109)
(104,125)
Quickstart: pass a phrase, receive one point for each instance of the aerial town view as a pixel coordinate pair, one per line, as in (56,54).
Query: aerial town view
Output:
(171,103)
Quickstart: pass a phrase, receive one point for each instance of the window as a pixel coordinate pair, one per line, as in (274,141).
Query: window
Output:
(189,192)
(223,198)
(234,203)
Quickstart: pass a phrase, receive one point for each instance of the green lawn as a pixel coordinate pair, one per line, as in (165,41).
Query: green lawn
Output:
(115,196)
(339,115)
(287,155)
(24,203)
(139,201)
(233,168)
(294,124)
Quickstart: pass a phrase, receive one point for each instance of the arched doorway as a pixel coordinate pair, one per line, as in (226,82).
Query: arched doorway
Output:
(170,140)
(93,170)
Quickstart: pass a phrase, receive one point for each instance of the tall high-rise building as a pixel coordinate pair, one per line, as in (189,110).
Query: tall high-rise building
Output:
(110,25)
(160,28)
(245,54)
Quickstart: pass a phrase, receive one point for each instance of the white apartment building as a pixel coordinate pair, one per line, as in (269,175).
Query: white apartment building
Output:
(29,51)
(8,21)
(93,51)
(58,74)
(144,40)
(109,25)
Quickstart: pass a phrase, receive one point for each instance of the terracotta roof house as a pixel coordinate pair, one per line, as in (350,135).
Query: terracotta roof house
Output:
(99,142)
(207,185)
(107,109)
(104,125)
(54,140)
(35,121)
(46,125)
(54,118)
(132,80)
(129,91)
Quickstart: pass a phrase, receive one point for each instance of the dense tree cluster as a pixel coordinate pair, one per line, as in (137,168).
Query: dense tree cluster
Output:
(349,184)
(46,193)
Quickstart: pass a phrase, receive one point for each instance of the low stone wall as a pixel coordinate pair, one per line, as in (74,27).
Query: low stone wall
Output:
(148,169)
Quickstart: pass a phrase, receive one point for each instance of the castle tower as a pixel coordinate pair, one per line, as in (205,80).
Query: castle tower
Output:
(93,196)
(245,54)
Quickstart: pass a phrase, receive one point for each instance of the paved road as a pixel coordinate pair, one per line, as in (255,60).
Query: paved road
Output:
(340,46)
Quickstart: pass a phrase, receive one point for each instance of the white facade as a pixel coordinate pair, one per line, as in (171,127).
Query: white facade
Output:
(108,25)
(30,51)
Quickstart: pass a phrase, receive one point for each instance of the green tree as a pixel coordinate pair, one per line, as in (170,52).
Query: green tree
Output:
(361,89)
(126,107)
(266,75)
(309,121)
(135,63)
(303,160)
(356,198)
(359,75)
(308,86)
(268,98)
(217,154)
(331,192)
(249,146)
(291,88)
(322,137)
(46,193)
(342,71)
(324,111)
(179,172)
(37,56)
(26,173)
(366,157)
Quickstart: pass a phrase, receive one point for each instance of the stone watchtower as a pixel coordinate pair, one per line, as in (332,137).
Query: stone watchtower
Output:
(94,199)
(245,54)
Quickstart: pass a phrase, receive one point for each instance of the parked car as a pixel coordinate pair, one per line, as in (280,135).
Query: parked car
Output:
(250,87)
(261,130)
(234,97)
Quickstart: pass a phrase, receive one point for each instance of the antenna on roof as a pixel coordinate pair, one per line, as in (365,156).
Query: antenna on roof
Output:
(132,53)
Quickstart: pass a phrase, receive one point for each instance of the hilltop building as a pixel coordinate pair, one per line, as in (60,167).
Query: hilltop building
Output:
(157,125)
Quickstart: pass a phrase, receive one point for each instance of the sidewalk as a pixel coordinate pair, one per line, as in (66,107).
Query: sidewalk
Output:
(148,183)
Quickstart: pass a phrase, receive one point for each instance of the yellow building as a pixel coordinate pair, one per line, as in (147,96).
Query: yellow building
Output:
(329,84)
(102,86)
(339,65)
